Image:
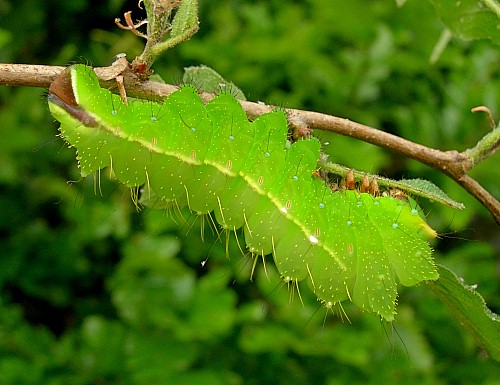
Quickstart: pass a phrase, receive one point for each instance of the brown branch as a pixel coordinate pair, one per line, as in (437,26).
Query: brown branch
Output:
(28,75)
(452,163)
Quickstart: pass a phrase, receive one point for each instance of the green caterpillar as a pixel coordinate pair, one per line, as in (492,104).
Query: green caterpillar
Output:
(211,158)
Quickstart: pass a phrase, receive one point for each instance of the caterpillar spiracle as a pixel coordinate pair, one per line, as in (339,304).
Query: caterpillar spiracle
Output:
(209,157)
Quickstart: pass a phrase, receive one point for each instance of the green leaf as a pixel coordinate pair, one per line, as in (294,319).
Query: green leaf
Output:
(429,190)
(469,307)
(471,19)
(211,81)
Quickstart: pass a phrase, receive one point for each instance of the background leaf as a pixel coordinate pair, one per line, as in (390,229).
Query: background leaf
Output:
(471,19)
(209,80)
(469,307)
(66,268)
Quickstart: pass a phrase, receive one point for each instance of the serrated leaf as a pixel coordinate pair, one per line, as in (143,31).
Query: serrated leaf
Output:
(211,81)
(470,19)
(469,307)
(429,190)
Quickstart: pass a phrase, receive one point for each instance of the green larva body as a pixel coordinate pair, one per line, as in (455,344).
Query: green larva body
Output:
(211,158)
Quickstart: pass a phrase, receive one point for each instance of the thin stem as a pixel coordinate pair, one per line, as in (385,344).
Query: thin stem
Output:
(441,45)
(485,148)
(131,26)
(493,5)
(158,48)
(161,24)
(416,187)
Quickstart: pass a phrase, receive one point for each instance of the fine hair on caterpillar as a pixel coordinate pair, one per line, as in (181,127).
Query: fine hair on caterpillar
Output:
(350,244)
(390,338)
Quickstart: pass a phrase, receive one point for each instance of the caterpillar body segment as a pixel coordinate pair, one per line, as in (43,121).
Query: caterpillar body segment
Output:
(348,245)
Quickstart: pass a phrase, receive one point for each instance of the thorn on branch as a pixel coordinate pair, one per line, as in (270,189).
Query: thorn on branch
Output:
(121,89)
(131,26)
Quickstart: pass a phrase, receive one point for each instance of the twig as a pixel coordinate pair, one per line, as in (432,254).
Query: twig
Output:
(488,113)
(131,26)
(159,25)
(452,163)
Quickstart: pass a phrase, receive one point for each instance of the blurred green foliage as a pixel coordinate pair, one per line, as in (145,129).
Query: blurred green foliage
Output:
(94,292)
